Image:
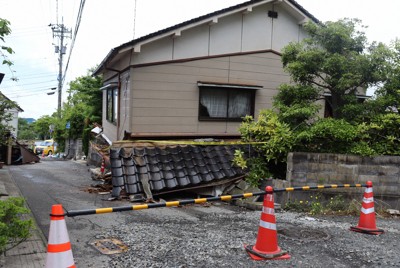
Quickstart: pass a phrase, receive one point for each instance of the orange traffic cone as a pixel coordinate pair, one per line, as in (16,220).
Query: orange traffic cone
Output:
(367,223)
(102,166)
(59,253)
(266,247)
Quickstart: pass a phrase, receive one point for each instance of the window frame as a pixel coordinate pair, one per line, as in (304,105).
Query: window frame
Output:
(229,89)
(112,105)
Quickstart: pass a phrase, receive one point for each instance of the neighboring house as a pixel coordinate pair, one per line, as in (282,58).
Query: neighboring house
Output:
(200,77)
(14,117)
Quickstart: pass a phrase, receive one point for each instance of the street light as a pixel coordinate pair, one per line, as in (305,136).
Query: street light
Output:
(52,92)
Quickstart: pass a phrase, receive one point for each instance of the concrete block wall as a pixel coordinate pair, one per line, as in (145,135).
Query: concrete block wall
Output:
(317,168)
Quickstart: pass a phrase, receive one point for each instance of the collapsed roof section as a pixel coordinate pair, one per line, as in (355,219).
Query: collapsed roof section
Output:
(138,169)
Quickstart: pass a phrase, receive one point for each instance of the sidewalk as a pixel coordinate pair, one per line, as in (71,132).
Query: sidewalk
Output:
(32,252)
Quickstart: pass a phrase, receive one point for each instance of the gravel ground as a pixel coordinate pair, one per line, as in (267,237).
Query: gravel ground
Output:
(213,235)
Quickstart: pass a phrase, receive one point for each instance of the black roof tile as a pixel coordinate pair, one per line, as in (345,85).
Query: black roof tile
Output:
(207,177)
(128,162)
(115,163)
(171,183)
(154,168)
(195,179)
(169,167)
(158,185)
(183,181)
(168,174)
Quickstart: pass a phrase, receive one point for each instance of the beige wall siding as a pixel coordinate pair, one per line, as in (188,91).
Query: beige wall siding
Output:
(165,97)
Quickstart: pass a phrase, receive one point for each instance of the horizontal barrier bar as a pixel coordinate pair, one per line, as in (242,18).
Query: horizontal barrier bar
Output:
(73,213)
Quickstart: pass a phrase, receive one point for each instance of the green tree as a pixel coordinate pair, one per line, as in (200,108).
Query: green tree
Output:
(26,131)
(336,59)
(5,30)
(85,91)
(388,96)
(83,108)
(42,126)
(5,104)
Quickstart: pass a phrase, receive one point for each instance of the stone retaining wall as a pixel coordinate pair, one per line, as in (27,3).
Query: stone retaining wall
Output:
(317,168)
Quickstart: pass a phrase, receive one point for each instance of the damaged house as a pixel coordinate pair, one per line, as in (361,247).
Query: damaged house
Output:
(193,80)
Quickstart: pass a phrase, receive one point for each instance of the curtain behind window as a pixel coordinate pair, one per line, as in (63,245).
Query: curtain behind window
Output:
(109,105)
(215,101)
(239,104)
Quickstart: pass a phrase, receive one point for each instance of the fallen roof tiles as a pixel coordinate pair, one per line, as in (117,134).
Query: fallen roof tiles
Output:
(170,167)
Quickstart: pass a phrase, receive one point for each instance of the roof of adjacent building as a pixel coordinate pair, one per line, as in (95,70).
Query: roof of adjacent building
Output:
(167,168)
(193,21)
(16,105)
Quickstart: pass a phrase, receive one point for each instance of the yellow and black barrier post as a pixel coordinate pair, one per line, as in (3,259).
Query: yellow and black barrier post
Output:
(73,213)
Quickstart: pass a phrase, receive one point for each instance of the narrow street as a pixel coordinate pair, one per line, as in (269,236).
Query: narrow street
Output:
(201,235)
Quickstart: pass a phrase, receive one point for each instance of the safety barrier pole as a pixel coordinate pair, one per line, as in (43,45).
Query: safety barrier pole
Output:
(73,213)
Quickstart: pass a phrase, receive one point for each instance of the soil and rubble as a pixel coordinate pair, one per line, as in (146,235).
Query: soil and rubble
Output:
(199,235)
(213,235)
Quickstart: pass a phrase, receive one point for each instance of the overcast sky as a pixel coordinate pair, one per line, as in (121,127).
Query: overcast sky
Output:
(106,24)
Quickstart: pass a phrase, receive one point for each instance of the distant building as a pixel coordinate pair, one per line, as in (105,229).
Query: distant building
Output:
(14,113)
(30,120)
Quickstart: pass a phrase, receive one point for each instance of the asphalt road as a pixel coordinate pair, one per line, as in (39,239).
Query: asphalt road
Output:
(201,235)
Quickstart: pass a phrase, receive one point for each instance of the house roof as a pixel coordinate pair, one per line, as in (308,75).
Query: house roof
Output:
(17,106)
(168,168)
(194,22)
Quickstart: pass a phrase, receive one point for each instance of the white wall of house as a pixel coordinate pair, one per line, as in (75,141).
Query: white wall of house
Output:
(237,33)
(14,122)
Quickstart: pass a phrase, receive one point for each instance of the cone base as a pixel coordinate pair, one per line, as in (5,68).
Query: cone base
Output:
(366,230)
(259,256)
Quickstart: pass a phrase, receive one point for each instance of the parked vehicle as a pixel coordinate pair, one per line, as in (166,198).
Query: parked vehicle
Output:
(36,143)
(46,147)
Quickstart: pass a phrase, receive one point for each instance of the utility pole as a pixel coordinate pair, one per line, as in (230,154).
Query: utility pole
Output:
(60,31)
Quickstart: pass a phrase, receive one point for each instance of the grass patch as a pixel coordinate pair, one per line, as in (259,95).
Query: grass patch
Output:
(316,204)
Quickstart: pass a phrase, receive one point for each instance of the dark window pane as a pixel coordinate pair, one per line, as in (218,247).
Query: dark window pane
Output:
(225,103)
(109,105)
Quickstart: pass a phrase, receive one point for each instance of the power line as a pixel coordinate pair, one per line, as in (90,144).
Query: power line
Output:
(78,22)
(134,21)
(19,85)
(39,90)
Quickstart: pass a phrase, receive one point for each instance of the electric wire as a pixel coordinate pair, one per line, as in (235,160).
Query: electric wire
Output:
(78,22)
(134,20)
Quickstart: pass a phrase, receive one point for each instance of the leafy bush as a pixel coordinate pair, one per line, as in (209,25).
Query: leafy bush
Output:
(13,228)
(328,135)
(277,141)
